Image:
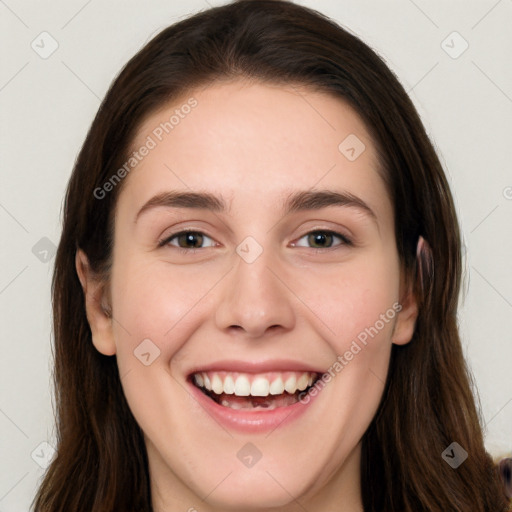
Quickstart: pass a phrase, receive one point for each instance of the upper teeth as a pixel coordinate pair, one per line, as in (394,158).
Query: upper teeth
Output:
(246,384)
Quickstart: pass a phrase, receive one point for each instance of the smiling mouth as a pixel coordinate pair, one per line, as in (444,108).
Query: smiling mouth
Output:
(248,391)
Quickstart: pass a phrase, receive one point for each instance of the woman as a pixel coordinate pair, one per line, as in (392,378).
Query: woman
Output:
(255,292)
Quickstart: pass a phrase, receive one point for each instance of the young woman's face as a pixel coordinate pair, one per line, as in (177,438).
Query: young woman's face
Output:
(289,270)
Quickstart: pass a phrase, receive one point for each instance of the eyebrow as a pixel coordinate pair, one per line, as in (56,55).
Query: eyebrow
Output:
(296,201)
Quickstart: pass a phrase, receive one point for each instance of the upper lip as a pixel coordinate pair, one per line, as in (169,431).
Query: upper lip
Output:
(274,365)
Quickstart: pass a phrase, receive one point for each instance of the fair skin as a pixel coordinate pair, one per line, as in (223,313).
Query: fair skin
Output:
(252,144)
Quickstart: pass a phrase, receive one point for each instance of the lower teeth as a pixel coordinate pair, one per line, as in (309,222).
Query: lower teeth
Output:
(249,405)
(253,403)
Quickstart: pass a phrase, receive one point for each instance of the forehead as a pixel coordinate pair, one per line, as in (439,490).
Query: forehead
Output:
(254,142)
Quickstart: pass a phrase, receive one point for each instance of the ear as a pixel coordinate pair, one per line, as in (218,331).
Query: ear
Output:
(97,306)
(406,318)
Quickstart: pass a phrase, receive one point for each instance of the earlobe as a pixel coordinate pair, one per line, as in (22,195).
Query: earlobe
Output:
(97,306)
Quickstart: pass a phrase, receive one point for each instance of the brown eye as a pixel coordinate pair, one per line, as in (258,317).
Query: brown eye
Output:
(187,240)
(323,239)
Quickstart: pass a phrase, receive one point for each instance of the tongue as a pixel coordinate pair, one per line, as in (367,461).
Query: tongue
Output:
(256,402)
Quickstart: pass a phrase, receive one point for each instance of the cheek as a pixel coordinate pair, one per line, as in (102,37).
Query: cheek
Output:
(353,299)
(156,312)
(151,300)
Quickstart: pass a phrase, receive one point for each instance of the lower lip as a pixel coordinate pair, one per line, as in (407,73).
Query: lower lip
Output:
(252,421)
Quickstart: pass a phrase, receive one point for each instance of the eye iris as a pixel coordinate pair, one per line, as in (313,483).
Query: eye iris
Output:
(320,237)
(189,238)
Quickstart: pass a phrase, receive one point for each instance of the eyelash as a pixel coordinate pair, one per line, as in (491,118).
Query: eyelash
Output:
(344,240)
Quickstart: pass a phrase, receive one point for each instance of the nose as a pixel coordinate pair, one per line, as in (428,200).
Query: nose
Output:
(256,298)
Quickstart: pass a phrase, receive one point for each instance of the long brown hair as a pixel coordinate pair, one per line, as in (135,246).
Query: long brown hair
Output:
(428,403)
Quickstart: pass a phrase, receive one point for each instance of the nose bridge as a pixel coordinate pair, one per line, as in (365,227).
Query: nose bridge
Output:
(253,298)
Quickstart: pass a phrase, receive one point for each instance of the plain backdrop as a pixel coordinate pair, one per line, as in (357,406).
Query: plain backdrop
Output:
(453,57)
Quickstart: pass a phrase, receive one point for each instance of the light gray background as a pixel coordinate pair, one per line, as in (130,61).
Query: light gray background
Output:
(48,104)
